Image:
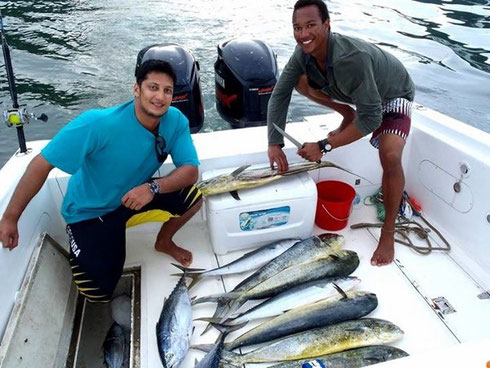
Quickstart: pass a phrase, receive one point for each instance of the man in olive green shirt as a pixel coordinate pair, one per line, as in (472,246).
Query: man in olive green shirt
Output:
(337,71)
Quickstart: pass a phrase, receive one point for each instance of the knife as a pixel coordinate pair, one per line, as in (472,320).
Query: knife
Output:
(286,135)
(291,139)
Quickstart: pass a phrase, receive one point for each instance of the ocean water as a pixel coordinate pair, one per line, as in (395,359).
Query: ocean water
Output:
(73,55)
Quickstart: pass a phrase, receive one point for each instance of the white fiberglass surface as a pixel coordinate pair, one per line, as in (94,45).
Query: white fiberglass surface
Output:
(404,289)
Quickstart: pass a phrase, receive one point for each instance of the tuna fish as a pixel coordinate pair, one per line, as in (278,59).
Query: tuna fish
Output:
(116,347)
(245,177)
(174,328)
(351,305)
(249,261)
(354,358)
(319,341)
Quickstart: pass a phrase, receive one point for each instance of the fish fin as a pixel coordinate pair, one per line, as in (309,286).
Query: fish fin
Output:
(235,195)
(225,326)
(339,289)
(188,270)
(242,168)
(233,305)
(221,309)
(203,347)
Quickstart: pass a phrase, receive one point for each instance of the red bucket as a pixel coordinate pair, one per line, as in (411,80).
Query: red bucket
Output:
(334,204)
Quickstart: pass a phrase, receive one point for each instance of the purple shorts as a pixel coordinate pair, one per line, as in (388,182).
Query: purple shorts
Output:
(396,120)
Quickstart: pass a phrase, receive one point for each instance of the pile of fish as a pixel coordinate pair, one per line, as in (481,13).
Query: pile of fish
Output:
(314,313)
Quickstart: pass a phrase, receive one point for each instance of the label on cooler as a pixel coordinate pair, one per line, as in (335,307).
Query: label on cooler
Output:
(263,219)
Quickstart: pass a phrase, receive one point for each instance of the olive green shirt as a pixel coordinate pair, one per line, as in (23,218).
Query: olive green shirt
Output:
(357,72)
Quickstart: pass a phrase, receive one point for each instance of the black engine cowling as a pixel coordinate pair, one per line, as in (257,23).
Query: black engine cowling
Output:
(245,75)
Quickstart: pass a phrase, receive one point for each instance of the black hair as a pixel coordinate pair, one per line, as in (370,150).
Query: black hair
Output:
(154,66)
(322,7)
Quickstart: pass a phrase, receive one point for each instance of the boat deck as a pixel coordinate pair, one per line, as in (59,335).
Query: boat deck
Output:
(405,290)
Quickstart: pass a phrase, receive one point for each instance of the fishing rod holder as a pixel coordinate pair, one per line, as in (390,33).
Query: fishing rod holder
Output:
(20,117)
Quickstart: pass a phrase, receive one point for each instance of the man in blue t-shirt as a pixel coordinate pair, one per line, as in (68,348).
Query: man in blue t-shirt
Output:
(111,155)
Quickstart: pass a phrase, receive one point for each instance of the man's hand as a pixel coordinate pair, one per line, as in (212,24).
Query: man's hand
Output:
(277,156)
(311,152)
(9,235)
(137,197)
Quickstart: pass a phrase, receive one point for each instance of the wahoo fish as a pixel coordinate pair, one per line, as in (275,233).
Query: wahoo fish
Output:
(342,307)
(249,261)
(354,358)
(174,328)
(319,341)
(116,347)
(245,177)
(342,263)
(315,247)
(298,296)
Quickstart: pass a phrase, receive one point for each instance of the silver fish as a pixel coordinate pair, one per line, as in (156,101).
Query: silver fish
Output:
(174,328)
(249,261)
(116,347)
(298,296)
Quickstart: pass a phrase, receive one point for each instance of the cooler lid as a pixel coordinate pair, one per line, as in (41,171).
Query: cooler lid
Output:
(287,188)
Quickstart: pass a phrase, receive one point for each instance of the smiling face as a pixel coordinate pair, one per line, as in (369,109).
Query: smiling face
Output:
(153,97)
(309,31)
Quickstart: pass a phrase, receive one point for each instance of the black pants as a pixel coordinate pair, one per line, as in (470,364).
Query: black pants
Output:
(98,245)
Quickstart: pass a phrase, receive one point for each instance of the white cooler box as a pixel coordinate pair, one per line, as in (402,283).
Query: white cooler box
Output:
(282,209)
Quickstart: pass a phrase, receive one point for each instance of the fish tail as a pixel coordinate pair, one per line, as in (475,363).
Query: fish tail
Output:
(221,309)
(228,358)
(234,305)
(188,270)
(226,326)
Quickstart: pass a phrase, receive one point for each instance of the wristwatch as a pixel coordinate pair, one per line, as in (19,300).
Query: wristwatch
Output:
(324,145)
(154,187)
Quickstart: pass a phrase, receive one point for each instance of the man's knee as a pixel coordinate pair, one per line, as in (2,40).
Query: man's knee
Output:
(391,160)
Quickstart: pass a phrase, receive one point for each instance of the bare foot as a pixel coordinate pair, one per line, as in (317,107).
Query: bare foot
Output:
(181,255)
(385,252)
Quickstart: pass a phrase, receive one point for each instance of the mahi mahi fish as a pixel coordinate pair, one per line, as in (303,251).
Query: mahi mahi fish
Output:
(354,358)
(245,177)
(116,347)
(315,247)
(320,341)
(174,328)
(249,261)
(343,307)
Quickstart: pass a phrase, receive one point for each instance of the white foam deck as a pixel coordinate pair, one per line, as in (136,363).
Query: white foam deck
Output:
(404,290)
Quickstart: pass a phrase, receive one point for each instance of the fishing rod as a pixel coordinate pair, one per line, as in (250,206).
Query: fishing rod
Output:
(16,116)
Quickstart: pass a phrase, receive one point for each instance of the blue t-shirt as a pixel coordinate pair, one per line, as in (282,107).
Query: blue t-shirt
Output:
(108,152)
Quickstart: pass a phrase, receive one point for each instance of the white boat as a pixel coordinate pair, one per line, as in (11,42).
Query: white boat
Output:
(441,300)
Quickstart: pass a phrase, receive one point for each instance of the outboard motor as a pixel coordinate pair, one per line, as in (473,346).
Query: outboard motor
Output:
(187,90)
(245,75)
